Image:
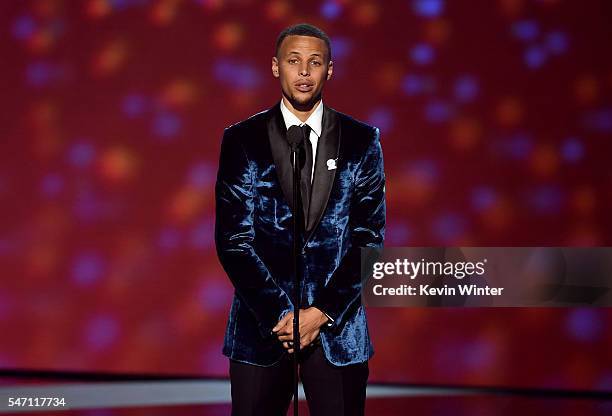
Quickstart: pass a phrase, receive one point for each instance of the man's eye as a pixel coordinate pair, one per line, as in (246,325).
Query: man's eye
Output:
(292,61)
(316,63)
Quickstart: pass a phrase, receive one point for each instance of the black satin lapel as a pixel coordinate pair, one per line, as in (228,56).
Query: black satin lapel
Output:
(327,148)
(281,152)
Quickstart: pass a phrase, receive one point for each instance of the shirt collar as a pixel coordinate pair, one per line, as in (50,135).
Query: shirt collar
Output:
(314,121)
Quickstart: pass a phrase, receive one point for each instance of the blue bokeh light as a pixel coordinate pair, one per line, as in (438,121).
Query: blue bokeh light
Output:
(535,57)
(101,332)
(428,8)
(237,75)
(525,30)
(422,54)
(134,105)
(87,268)
(331,9)
(448,227)
(166,125)
(557,42)
(169,238)
(585,324)
(572,150)
(438,111)
(466,88)
(23,27)
(483,198)
(546,199)
(81,154)
(382,118)
(52,184)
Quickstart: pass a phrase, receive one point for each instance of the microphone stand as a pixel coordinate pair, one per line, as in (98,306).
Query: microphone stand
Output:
(296,270)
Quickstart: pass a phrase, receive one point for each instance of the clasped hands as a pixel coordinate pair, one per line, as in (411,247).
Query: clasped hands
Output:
(311,320)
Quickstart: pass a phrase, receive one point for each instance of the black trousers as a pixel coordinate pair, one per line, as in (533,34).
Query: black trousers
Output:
(330,390)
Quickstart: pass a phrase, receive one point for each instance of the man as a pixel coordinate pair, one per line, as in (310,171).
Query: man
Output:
(342,209)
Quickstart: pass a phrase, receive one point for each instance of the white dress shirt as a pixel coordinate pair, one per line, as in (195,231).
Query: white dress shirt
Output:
(314,121)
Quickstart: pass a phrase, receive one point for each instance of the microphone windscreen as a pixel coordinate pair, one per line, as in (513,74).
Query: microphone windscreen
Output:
(294,136)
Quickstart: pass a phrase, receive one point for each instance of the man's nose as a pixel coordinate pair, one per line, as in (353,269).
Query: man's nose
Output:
(304,69)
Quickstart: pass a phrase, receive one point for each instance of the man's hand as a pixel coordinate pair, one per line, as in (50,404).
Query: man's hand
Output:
(311,320)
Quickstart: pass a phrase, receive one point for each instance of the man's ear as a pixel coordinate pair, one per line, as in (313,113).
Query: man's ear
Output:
(330,69)
(275,73)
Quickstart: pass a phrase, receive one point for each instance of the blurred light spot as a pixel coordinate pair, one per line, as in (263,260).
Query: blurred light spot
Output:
(101,332)
(186,204)
(586,89)
(483,198)
(448,228)
(428,8)
(169,238)
(466,88)
(509,112)
(478,354)
(134,105)
(438,111)
(572,150)
(52,184)
(546,200)
(556,42)
(518,146)
(23,27)
(117,164)
(412,84)
(214,295)
(341,48)
(534,56)
(525,30)
(331,9)
(178,93)
(228,36)
(422,54)
(39,74)
(437,31)
(202,235)
(89,208)
(398,233)
(545,159)
(278,9)
(87,268)
(164,12)
(465,133)
(365,13)
(585,324)
(110,58)
(599,120)
(381,118)
(81,154)
(237,75)
(166,125)
(202,175)
(98,8)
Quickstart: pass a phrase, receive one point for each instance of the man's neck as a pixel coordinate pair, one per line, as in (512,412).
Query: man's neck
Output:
(301,114)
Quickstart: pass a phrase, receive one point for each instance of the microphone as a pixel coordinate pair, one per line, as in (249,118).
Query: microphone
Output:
(294,137)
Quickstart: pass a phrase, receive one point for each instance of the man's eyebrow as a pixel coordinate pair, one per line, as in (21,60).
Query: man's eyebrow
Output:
(297,53)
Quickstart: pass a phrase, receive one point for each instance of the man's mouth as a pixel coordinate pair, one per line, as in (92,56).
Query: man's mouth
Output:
(304,86)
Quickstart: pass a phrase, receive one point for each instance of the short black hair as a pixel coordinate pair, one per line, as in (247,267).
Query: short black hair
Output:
(303,29)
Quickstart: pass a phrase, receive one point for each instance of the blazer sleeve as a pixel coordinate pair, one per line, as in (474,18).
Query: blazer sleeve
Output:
(234,235)
(342,293)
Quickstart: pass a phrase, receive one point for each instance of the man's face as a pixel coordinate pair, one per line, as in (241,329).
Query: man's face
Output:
(302,67)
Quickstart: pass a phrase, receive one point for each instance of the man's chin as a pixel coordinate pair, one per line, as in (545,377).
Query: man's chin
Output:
(303,103)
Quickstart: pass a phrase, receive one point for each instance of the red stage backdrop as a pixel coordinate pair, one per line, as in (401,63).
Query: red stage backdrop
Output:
(496,121)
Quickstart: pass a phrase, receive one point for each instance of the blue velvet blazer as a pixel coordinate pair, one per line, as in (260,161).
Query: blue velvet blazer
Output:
(253,233)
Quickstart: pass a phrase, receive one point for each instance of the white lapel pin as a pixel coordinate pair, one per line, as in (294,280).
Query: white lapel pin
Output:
(331,164)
